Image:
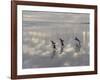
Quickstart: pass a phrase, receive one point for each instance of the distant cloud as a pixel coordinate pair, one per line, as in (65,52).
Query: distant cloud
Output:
(55,17)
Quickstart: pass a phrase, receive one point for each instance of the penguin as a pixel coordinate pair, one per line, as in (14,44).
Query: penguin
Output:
(62,45)
(53,44)
(54,48)
(77,44)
